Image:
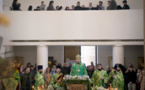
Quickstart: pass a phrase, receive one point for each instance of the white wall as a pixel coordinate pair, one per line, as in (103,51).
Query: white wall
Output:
(29,54)
(134,4)
(131,54)
(75,25)
(57,52)
(103,53)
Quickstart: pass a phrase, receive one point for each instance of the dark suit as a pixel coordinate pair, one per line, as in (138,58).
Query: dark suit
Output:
(126,6)
(78,8)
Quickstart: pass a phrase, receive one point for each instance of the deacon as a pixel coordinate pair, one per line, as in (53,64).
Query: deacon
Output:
(78,67)
(99,77)
(57,79)
(39,80)
(117,78)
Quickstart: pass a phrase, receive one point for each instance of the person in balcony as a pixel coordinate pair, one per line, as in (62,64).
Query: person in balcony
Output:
(113,5)
(83,6)
(20,7)
(57,7)
(101,7)
(37,9)
(78,7)
(126,6)
(78,67)
(50,7)
(72,7)
(90,6)
(30,8)
(67,8)
(15,5)
(42,7)
(109,5)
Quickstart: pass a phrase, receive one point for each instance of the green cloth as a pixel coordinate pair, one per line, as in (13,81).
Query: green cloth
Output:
(54,78)
(2,60)
(16,75)
(117,81)
(39,80)
(10,83)
(78,69)
(96,78)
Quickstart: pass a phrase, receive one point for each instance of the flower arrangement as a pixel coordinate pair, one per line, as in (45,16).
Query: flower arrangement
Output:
(50,87)
(69,77)
(102,88)
(9,73)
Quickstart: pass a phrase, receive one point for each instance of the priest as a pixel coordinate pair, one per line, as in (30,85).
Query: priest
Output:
(99,77)
(117,78)
(57,78)
(78,67)
(39,80)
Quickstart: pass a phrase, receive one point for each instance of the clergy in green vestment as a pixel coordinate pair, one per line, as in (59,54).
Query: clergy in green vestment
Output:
(39,80)
(117,78)
(57,78)
(99,77)
(78,68)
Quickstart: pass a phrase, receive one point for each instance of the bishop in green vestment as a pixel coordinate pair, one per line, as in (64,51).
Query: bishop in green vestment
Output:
(78,67)
(99,77)
(117,78)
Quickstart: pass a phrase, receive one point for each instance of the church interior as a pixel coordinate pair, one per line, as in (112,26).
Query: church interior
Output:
(72,45)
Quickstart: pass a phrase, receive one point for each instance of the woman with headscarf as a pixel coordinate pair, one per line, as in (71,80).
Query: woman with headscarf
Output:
(50,7)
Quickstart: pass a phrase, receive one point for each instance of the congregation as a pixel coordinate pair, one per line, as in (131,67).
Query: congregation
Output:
(112,5)
(132,79)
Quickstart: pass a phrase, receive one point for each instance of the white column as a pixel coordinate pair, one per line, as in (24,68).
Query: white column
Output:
(118,54)
(42,56)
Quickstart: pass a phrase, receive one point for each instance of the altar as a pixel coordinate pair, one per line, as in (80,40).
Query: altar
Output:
(76,82)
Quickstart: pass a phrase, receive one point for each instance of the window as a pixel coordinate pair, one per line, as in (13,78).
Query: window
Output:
(88,55)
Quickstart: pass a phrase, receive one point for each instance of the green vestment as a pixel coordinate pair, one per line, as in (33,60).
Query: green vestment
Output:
(97,78)
(54,79)
(39,80)
(117,81)
(78,69)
